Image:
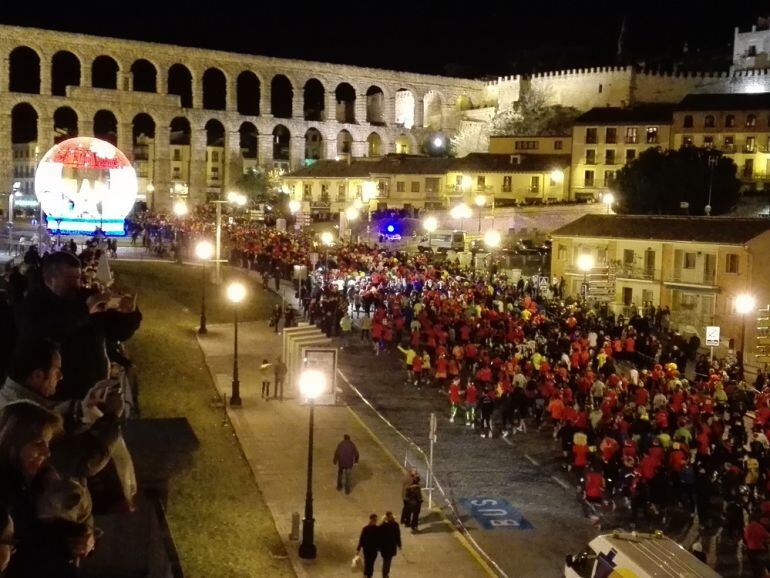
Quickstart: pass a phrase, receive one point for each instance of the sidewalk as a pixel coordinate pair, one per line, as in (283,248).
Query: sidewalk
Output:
(274,439)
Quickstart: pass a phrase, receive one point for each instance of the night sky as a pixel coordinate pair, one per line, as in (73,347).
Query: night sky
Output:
(473,39)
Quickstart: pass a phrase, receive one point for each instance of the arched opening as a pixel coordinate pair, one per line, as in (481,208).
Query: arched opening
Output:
(23,124)
(143,137)
(313,144)
(375,106)
(65,71)
(344,143)
(464,102)
(281,140)
(104,72)
(179,133)
(404,112)
(403,145)
(374,145)
(215,158)
(248,134)
(433,113)
(106,126)
(180,83)
(314,105)
(214,89)
(346,103)
(145,76)
(65,124)
(281,96)
(24,70)
(215,133)
(248,93)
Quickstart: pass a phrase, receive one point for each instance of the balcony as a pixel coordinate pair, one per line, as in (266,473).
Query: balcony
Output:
(641,273)
(706,278)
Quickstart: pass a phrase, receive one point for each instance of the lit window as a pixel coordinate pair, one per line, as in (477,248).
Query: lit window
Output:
(652,134)
(507,183)
(751,120)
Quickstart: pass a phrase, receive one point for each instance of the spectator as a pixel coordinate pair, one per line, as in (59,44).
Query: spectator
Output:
(390,541)
(370,542)
(345,457)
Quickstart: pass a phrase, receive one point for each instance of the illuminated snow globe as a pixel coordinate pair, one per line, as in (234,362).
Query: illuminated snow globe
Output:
(86,183)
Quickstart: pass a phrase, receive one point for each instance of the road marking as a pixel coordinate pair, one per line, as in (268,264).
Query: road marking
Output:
(533,461)
(561,482)
(509,442)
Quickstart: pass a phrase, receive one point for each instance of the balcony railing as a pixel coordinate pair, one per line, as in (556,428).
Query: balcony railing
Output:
(631,272)
(693,277)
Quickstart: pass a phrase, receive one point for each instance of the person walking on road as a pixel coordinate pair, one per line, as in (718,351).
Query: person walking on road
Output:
(265,370)
(414,502)
(345,457)
(408,480)
(390,542)
(279,371)
(369,542)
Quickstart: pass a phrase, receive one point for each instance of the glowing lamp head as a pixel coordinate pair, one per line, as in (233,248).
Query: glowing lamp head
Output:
(204,250)
(492,239)
(84,183)
(358,204)
(294,206)
(180,208)
(585,262)
(390,229)
(557,176)
(236,292)
(480,200)
(430,224)
(438,142)
(312,383)
(745,303)
(351,213)
(467,182)
(327,238)
(236,198)
(608,199)
(368,191)
(461,211)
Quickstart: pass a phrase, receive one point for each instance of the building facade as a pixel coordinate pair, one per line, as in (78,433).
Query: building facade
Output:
(193,119)
(530,145)
(696,266)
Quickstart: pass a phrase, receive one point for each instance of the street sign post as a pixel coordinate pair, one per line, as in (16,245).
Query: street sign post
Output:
(712,338)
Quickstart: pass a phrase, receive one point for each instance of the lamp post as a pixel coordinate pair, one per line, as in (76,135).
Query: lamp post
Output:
(585,263)
(180,210)
(480,201)
(151,192)
(351,215)
(461,212)
(327,239)
(236,293)
(745,303)
(203,250)
(232,198)
(430,224)
(713,158)
(312,383)
(492,240)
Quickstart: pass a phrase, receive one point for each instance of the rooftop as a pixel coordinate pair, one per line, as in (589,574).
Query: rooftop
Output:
(718,230)
(638,114)
(757,101)
(396,164)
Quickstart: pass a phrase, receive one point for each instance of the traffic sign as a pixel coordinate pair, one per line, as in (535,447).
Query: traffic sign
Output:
(544,281)
(712,335)
(584,289)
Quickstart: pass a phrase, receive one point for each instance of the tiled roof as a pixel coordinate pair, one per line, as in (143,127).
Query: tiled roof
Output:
(639,114)
(757,101)
(719,230)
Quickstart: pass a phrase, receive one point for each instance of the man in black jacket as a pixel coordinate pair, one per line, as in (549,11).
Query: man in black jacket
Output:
(369,542)
(390,541)
(79,320)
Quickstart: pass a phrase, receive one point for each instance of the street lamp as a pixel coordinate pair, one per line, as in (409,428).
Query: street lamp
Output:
(358,204)
(608,200)
(461,212)
(492,239)
(180,210)
(744,304)
(312,383)
(327,239)
(352,213)
(294,206)
(203,250)
(430,224)
(480,201)
(585,263)
(151,192)
(236,293)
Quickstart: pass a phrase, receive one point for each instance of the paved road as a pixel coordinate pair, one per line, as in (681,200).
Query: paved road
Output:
(469,467)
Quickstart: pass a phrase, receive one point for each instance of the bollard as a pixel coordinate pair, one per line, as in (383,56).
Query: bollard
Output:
(294,526)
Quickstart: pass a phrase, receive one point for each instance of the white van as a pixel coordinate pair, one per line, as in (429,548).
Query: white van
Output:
(635,555)
(443,241)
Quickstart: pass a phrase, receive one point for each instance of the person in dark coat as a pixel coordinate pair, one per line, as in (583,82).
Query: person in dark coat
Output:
(390,541)
(370,543)
(413,497)
(60,310)
(345,457)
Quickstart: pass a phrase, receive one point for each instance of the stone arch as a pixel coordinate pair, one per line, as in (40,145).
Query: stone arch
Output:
(404,105)
(375,106)
(344,143)
(314,149)
(463,102)
(180,83)
(281,96)
(24,70)
(248,140)
(405,144)
(65,124)
(179,131)
(346,103)
(433,110)
(281,143)
(314,100)
(214,89)
(215,133)
(143,129)
(374,145)
(24,120)
(104,72)
(248,93)
(65,71)
(106,126)
(145,76)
